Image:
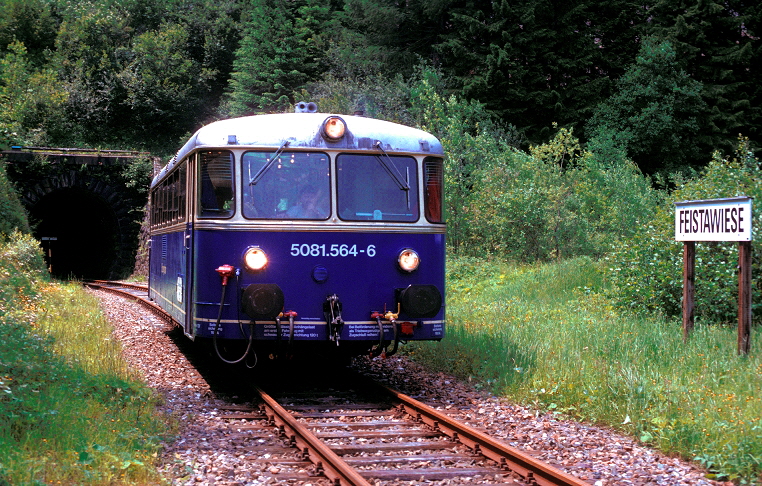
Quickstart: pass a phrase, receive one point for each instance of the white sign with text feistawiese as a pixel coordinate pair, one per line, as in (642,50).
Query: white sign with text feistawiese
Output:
(727,219)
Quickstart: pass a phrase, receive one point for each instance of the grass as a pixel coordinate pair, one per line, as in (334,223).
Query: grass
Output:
(546,336)
(70,410)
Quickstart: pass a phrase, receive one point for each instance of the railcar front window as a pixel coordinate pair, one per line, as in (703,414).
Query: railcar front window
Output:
(216,184)
(295,185)
(377,188)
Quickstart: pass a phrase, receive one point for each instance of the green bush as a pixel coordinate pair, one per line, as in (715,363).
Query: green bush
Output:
(557,201)
(21,269)
(12,213)
(374,95)
(646,270)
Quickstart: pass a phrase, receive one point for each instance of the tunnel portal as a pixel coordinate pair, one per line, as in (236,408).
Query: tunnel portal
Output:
(78,231)
(85,211)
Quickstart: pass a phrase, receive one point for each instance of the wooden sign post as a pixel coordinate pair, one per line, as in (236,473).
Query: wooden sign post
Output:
(727,219)
(689,283)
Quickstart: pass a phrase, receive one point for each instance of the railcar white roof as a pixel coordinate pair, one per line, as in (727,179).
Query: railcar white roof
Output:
(304,130)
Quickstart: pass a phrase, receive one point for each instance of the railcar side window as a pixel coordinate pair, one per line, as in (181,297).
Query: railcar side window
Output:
(181,192)
(433,182)
(295,185)
(216,184)
(168,200)
(377,188)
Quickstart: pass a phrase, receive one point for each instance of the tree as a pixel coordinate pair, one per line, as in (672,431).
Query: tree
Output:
(538,62)
(30,22)
(396,36)
(284,46)
(215,28)
(89,48)
(654,114)
(141,73)
(719,44)
(162,85)
(30,99)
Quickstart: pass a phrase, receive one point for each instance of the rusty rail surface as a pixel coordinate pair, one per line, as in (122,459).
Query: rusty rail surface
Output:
(532,470)
(328,462)
(523,464)
(117,284)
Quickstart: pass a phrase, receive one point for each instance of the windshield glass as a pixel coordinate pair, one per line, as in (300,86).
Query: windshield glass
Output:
(370,187)
(296,185)
(216,184)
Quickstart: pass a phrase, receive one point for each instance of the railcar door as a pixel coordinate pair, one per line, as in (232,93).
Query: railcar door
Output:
(213,207)
(185,271)
(185,281)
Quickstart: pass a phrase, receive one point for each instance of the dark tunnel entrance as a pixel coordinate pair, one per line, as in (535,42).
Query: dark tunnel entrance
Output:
(79,232)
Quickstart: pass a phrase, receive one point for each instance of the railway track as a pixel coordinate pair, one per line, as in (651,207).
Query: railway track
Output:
(355,432)
(132,291)
(362,433)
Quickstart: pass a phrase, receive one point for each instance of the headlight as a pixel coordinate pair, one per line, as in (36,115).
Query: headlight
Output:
(333,128)
(255,258)
(408,260)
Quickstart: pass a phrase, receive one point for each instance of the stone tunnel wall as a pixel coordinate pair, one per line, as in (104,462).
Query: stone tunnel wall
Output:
(121,191)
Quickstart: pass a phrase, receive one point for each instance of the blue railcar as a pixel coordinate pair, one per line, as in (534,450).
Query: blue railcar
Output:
(301,233)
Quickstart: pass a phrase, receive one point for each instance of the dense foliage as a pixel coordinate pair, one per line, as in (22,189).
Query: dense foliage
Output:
(144,73)
(120,74)
(12,215)
(555,201)
(283,47)
(656,110)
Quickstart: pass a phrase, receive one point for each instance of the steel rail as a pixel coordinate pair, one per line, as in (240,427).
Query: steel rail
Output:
(114,288)
(327,461)
(519,462)
(116,283)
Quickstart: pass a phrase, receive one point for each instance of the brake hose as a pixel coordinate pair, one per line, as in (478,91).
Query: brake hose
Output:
(217,329)
(396,340)
(379,348)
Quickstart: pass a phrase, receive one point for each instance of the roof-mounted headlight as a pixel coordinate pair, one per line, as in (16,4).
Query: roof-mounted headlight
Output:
(408,260)
(334,128)
(255,259)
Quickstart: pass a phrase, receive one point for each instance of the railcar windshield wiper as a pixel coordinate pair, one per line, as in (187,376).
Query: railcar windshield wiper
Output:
(404,185)
(258,176)
(397,178)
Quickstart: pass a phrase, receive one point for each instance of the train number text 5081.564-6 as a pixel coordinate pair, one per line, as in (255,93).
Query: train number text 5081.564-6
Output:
(332,250)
